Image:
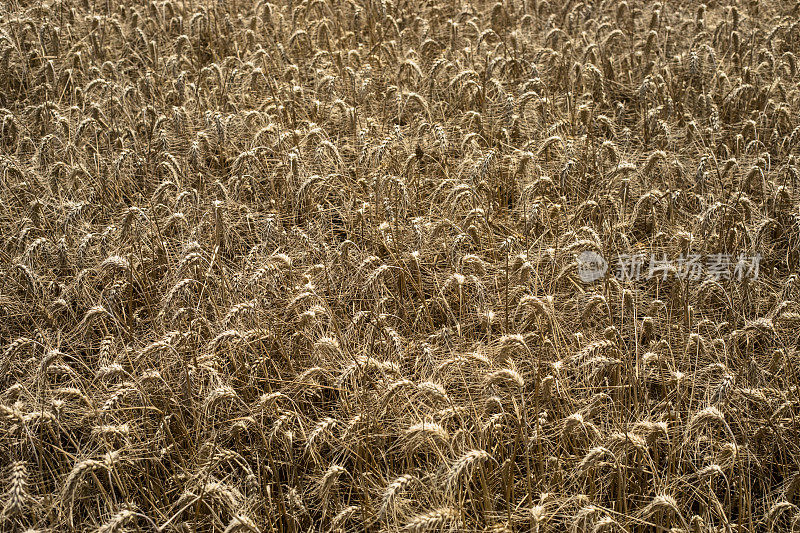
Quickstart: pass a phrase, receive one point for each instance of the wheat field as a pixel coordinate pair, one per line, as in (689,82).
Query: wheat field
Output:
(383,265)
